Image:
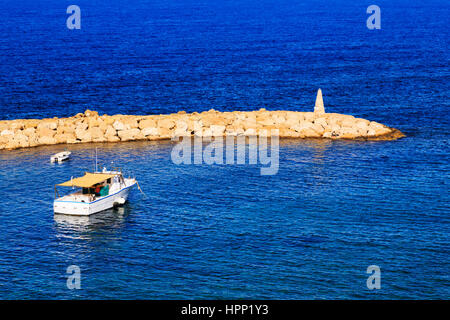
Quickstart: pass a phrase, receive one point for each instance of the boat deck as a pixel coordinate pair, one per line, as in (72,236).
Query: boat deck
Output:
(78,197)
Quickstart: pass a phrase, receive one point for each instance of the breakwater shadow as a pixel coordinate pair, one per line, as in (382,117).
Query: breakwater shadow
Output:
(48,150)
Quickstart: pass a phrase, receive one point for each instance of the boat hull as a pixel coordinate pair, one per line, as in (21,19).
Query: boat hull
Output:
(53,160)
(87,208)
(60,157)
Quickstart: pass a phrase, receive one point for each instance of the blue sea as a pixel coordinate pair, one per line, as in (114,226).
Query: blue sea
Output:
(224,231)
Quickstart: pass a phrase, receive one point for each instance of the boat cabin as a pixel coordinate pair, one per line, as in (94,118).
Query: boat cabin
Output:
(92,186)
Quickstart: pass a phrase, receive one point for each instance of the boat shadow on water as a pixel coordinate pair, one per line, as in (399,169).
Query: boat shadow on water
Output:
(110,218)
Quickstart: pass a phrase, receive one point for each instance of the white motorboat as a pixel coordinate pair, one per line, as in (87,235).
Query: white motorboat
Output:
(96,192)
(60,157)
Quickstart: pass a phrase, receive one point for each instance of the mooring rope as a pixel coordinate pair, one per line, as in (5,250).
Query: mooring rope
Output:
(139,187)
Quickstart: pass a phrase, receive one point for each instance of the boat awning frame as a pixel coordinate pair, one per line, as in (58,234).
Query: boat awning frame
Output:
(88,180)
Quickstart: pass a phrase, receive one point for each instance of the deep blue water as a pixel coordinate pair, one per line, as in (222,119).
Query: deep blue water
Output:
(225,231)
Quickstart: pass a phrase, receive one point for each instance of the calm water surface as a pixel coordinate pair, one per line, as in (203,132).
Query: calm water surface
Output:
(224,231)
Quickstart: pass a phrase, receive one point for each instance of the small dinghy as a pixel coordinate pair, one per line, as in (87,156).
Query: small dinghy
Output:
(96,192)
(60,157)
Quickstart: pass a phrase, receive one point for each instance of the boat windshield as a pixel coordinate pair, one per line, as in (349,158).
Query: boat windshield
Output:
(99,190)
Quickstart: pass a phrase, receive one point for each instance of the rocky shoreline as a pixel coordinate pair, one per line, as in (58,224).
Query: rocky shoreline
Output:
(91,127)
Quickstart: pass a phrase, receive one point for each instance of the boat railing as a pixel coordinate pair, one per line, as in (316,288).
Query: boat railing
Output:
(117,169)
(130,173)
(120,170)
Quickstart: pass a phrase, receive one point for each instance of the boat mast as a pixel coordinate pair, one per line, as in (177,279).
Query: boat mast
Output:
(96,160)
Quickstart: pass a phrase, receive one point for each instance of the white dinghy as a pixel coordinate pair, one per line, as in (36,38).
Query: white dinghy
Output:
(96,192)
(60,157)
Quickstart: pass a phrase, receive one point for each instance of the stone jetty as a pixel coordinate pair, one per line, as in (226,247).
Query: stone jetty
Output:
(92,127)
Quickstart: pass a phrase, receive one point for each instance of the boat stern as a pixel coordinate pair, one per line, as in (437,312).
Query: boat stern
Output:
(71,207)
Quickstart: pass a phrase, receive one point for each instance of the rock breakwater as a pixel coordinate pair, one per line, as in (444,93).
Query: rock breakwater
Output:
(92,127)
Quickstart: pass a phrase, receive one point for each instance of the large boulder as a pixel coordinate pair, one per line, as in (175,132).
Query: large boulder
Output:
(118,125)
(90,113)
(246,124)
(130,122)
(110,132)
(16,125)
(164,133)
(348,122)
(321,121)
(47,140)
(147,123)
(29,132)
(217,130)
(266,121)
(292,120)
(45,132)
(289,133)
(204,132)
(94,122)
(130,134)
(150,131)
(250,132)
(108,120)
(181,127)
(83,135)
(112,138)
(7,132)
(308,129)
(210,119)
(279,119)
(379,129)
(348,133)
(21,140)
(318,128)
(31,123)
(234,131)
(166,123)
(96,133)
(81,125)
(48,124)
(65,138)
(302,126)
(309,116)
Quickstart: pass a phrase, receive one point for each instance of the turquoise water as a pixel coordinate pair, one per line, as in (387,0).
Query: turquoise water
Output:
(225,231)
